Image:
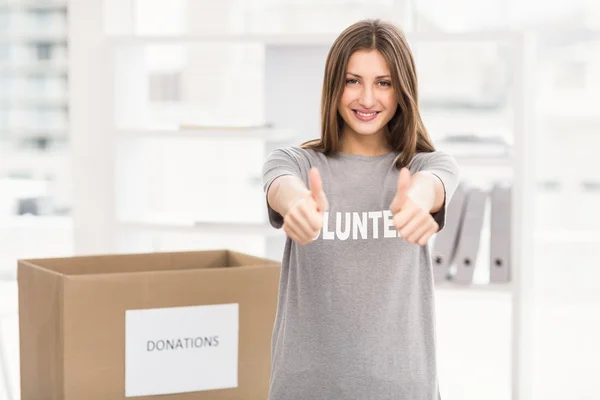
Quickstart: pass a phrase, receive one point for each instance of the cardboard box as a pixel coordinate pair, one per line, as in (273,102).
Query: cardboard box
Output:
(147,326)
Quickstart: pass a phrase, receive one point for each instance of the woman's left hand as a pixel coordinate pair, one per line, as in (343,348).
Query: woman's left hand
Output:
(410,211)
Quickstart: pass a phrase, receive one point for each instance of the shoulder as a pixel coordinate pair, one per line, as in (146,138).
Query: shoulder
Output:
(434,159)
(297,154)
(296,151)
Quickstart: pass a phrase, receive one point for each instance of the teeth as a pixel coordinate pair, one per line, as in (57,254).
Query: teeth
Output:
(366,114)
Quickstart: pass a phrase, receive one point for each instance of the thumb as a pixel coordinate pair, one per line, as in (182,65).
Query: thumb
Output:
(404,182)
(315,184)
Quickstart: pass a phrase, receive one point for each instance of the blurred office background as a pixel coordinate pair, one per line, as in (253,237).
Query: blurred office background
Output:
(161,87)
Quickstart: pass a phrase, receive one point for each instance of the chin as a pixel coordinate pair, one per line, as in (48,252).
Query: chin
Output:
(366,131)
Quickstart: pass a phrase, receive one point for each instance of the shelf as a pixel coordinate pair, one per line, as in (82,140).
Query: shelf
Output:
(505,161)
(567,236)
(33,5)
(580,125)
(307,39)
(33,68)
(266,133)
(171,226)
(475,287)
(34,38)
(41,223)
(35,102)
(33,133)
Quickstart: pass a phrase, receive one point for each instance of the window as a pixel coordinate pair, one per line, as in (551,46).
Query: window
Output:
(44,51)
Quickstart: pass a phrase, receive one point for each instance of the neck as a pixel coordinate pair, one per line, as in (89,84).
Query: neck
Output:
(364,145)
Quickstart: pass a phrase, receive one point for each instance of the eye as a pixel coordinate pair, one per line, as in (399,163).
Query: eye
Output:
(385,83)
(351,81)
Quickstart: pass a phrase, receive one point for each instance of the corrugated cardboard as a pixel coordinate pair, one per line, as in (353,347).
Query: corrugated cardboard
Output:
(72,317)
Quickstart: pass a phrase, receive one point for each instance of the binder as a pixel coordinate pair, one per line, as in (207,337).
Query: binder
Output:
(444,245)
(470,235)
(500,233)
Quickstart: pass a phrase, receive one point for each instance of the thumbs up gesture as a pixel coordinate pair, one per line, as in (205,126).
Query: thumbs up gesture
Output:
(411,218)
(304,220)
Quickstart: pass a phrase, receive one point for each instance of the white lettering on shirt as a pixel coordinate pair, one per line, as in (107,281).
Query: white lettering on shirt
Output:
(358,225)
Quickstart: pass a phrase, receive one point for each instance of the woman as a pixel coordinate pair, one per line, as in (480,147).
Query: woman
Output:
(355,316)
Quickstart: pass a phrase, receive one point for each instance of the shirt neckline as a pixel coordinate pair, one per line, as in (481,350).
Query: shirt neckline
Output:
(361,157)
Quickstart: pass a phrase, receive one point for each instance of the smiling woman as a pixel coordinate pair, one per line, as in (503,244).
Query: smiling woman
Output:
(358,206)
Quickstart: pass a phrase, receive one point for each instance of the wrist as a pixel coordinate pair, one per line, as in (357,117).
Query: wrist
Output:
(422,192)
(294,200)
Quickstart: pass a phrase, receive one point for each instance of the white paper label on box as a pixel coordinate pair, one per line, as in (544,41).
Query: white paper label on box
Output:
(181,349)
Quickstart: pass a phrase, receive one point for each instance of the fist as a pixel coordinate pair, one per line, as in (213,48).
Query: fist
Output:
(304,220)
(413,221)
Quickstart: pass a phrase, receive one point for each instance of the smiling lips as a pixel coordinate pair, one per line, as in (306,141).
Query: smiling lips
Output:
(366,115)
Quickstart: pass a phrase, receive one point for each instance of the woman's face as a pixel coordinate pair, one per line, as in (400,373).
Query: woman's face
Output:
(368,101)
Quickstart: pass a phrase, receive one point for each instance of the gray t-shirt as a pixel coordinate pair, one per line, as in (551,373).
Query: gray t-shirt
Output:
(355,317)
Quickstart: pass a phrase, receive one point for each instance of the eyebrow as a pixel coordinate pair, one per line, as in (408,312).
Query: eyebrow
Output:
(377,77)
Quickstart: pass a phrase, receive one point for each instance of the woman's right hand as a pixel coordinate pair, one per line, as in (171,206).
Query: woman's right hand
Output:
(304,219)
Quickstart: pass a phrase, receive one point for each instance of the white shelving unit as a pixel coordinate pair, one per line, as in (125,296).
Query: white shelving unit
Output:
(261,133)
(95,67)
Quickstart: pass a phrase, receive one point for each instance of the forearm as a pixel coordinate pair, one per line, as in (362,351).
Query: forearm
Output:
(427,190)
(285,191)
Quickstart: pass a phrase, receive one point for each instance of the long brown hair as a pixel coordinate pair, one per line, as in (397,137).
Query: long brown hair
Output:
(406,132)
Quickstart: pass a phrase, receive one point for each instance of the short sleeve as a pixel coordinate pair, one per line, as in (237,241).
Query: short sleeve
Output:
(283,161)
(445,167)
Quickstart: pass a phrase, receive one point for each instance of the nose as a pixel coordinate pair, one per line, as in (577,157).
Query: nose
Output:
(367,97)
